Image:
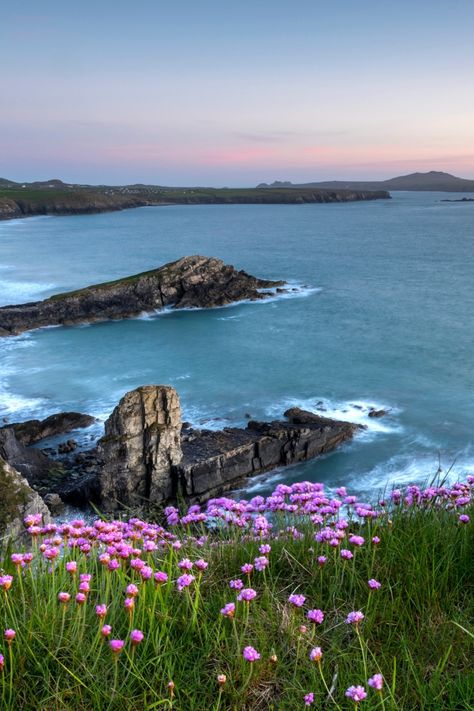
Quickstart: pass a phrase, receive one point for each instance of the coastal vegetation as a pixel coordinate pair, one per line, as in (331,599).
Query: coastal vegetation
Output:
(305,599)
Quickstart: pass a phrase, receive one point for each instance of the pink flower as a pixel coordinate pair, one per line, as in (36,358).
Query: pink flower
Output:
(201,564)
(2,662)
(131,590)
(116,645)
(316,616)
(101,611)
(129,603)
(322,560)
(347,555)
(64,597)
(236,584)
(376,682)
(297,600)
(354,618)
(464,518)
(228,610)
(185,581)
(316,654)
(160,577)
(185,564)
(9,635)
(374,584)
(356,693)
(106,630)
(136,636)
(375,540)
(246,595)
(6,581)
(247,568)
(81,598)
(250,654)
(308,699)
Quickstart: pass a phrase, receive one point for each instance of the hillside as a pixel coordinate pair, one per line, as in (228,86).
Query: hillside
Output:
(434,180)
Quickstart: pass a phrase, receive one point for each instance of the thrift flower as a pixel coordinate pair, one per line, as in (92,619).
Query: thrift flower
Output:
(236,584)
(101,611)
(297,600)
(250,654)
(247,568)
(221,679)
(129,603)
(160,577)
(347,555)
(185,564)
(246,595)
(116,645)
(322,560)
(354,618)
(64,597)
(308,699)
(185,581)
(2,662)
(316,654)
(376,682)
(81,598)
(106,630)
(10,635)
(136,636)
(316,616)
(374,584)
(464,518)
(131,590)
(201,564)
(356,693)
(6,581)
(228,610)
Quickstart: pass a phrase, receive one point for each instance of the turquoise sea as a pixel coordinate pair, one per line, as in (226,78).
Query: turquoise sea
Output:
(385,319)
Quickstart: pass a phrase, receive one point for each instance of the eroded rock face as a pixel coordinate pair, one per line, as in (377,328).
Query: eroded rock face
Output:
(142,444)
(17,500)
(32,431)
(190,282)
(31,463)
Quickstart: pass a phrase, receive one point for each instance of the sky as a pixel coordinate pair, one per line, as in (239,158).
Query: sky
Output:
(200,92)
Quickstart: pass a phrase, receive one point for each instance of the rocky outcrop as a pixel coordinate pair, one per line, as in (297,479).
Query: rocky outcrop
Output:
(216,461)
(31,463)
(32,431)
(142,444)
(147,456)
(190,282)
(17,500)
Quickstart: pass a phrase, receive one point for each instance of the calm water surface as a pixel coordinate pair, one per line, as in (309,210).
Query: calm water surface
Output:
(386,320)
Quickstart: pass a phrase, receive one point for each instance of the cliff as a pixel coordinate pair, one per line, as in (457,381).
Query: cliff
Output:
(190,282)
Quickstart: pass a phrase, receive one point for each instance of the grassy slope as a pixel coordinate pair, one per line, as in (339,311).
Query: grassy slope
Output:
(410,633)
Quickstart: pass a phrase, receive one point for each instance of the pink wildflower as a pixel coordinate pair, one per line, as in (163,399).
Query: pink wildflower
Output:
(376,682)
(316,654)
(136,636)
(250,654)
(106,630)
(116,645)
(228,610)
(374,584)
(308,699)
(246,595)
(297,600)
(101,611)
(316,616)
(356,693)
(64,597)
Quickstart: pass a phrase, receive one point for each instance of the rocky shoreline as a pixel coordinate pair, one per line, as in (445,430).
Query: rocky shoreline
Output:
(148,456)
(190,282)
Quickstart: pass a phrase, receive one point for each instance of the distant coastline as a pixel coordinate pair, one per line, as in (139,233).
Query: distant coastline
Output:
(57,198)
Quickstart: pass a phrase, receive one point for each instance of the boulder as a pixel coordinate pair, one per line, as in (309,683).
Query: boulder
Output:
(18,500)
(141,445)
(33,431)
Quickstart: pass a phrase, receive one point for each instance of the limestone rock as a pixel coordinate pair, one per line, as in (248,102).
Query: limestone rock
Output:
(142,444)
(17,500)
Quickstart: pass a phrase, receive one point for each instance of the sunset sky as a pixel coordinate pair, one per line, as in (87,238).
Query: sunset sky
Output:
(218,93)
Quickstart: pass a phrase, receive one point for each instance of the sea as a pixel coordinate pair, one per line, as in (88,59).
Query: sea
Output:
(382,318)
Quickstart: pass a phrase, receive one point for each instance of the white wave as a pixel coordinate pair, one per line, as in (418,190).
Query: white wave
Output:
(404,469)
(11,403)
(356,411)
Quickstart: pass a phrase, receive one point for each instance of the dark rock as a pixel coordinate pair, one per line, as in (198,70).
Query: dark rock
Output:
(31,463)
(33,431)
(66,447)
(377,413)
(54,503)
(190,282)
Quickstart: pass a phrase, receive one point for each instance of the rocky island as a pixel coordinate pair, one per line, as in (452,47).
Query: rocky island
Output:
(190,282)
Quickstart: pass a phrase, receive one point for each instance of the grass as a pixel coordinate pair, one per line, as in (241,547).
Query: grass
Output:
(417,629)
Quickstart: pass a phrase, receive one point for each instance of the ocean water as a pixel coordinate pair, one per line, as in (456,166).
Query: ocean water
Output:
(384,318)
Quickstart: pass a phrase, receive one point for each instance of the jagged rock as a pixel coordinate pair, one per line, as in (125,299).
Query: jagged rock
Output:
(31,463)
(142,443)
(377,413)
(190,282)
(33,431)
(17,500)
(54,503)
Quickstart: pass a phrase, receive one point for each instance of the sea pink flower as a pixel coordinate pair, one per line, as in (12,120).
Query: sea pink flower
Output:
(106,630)
(375,540)
(9,635)
(246,595)
(136,636)
(308,699)
(247,568)
(160,577)
(17,558)
(64,597)
(297,600)
(464,518)
(228,610)
(6,581)
(2,662)
(347,555)
(129,603)
(81,598)
(356,693)
(131,590)
(322,560)
(84,587)
(316,654)
(185,581)
(113,564)
(250,654)
(261,563)
(185,564)
(376,682)
(265,549)
(354,618)
(374,584)
(116,645)
(101,611)
(236,584)
(356,540)
(201,564)
(316,616)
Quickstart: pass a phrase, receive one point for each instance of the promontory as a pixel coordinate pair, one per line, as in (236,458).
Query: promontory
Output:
(190,282)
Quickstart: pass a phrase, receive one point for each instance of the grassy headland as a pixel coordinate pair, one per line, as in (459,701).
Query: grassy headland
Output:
(291,602)
(57,198)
